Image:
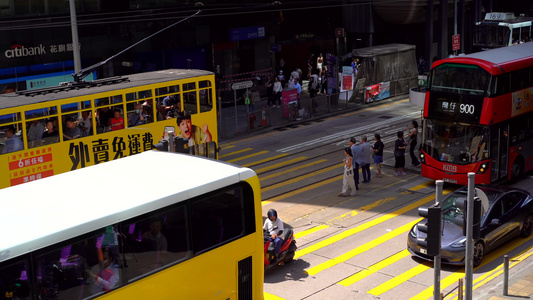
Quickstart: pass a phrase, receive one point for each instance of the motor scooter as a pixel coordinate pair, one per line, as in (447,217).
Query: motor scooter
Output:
(286,254)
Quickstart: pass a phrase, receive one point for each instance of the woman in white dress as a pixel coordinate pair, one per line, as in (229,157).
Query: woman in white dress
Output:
(348,183)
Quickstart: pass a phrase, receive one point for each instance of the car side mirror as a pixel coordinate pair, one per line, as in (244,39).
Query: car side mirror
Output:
(495,222)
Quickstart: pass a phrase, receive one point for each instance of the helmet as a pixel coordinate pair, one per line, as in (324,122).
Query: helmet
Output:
(281,71)
(272,213)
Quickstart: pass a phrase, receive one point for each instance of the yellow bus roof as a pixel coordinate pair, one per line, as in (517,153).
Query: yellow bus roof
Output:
(43,212)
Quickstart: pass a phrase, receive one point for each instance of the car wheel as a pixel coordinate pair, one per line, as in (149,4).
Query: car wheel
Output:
(527,226)
(479,251)
(517,169)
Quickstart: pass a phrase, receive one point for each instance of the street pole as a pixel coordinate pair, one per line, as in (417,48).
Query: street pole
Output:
(235,98)
(469,266)
(75,40)
(437,259)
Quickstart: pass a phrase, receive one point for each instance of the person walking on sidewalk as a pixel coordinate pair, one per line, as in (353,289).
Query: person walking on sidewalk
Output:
(378,153)
(399,154)
(366,149)
(412,135)
(357,160)
(277,91)
(348,183)
(269,85)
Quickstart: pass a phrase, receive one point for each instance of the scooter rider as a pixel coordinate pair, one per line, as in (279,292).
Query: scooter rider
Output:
(274,227)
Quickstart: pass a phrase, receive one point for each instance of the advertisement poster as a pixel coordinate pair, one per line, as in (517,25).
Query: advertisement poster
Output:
(288,96)
(347,79)
(522,102)
(377,91)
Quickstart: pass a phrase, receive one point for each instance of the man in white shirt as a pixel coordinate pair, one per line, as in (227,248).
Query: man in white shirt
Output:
(274,228)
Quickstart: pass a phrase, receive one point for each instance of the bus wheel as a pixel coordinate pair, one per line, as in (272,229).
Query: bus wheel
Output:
(517,169)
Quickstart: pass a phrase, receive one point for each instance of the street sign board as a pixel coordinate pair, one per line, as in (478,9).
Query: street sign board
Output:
(456,42)
(242,85)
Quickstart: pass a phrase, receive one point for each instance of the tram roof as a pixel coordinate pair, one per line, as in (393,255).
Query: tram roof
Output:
(135,80)
(56,208)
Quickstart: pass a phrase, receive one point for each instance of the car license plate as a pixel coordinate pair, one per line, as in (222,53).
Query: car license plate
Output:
(423,251)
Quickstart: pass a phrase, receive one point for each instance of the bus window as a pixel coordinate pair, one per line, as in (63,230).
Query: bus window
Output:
(85,268)
(10,138)
(204,84)
(156,240)
(103,119)
(14,283)
(217,219)
(51,133)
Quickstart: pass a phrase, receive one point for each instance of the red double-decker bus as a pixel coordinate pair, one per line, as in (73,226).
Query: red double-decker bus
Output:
(478,116)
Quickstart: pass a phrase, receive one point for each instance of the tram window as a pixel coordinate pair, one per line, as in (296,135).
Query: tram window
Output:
(34,132)
(174,89)
(75,106)
(155,240)
(204,84)
(168,107)
(189,86)
(11,138)
(138,95)
(41,112)
(102,101)
(161,91)
(206,103)
(9,118)
(116,99)
(189,103)
(138,114)
(117,122)
(69,271)
(14,283)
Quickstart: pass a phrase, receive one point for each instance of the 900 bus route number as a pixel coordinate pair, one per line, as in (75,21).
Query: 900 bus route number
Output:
(467,109)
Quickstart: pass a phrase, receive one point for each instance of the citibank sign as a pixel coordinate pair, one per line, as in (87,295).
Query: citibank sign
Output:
(21,51)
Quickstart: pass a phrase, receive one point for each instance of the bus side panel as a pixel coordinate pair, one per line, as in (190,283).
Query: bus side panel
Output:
(212,275)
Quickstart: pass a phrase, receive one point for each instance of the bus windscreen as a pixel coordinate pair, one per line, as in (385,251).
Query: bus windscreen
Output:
(458,143)
(459,78)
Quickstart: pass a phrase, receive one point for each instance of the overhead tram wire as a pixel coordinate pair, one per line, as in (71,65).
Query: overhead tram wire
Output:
(78,77)
(205,13)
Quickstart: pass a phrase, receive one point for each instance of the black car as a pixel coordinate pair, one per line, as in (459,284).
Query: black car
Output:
(506,214)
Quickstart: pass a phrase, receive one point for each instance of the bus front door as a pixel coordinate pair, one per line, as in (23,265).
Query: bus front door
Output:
(500,152)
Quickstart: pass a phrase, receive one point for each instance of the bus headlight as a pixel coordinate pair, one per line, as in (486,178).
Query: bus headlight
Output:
(483,168)
(422,158)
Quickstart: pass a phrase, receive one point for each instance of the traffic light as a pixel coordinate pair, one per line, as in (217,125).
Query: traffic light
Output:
(476,224)
(461,219)
(431,226)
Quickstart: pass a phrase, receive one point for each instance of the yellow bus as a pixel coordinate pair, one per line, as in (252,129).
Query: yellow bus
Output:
(155,225)
(49,131)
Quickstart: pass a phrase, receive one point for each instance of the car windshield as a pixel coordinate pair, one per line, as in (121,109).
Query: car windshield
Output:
(450,211)
(454,142)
